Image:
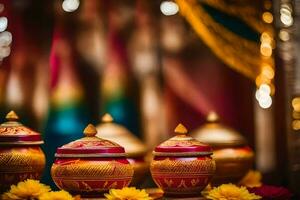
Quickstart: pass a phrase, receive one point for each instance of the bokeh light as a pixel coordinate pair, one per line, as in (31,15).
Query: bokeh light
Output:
(5,38)
(267,17)
(266,49)
(286,15)
(265,37)
(265,88)
(169,8)
(70,5)
(268,71)
(296,104)
(296,124)
(284,35)
(3,24)
(265,101)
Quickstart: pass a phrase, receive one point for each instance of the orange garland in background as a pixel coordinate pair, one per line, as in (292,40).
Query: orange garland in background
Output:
(249,58)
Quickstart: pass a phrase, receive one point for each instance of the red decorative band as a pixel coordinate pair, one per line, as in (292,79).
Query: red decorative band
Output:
(176,149)
(20,138)
(119,151)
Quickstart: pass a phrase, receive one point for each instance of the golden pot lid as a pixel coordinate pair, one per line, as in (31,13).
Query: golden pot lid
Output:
(182,145)
(13,132)
(90,146)
(217,134)
(119,134)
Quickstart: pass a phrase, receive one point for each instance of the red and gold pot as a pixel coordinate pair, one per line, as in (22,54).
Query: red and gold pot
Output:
(134,148)
(231,153)
(91,165)
(21,157)
(182,166)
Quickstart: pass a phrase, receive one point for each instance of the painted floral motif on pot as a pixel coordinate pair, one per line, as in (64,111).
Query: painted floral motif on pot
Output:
(20,154)
(91,165)
(182,166)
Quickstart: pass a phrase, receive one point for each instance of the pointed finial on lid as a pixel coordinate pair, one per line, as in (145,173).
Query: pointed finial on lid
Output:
(212,117)
(12,116)
(90,130)
(107,118)
(180,129)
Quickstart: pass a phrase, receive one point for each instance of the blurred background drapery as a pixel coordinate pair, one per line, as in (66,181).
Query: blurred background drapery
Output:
(123,80)
(150,64)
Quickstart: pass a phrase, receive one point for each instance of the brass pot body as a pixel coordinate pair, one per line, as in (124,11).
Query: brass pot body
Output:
(232,155)
(20,163)
(232,164)
(182,176)
(91,176)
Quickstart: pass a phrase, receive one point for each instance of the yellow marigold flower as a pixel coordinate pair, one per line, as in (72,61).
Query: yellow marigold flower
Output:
(28,189)
(127,193)
(59,195)
(252,179)
(231,192)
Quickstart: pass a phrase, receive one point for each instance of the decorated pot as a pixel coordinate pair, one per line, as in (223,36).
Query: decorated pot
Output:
(182,166)
(91,165)
(21,157)
(231,153)
(134,148)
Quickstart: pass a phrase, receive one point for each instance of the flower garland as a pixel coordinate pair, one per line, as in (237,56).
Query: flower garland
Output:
(34,190)
(251,189)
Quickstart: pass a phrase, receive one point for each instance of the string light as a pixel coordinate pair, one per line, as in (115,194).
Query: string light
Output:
(286,15)
(267,17)
(296,104)
(265,102)
(296,124)
(265,87)
(169,8)
(260,95)
(296,113)
(266,49)
(284,35)
(268,71)
(286,20)
(265,37)
(5,36)
(287,53)
(70,5)
(3,23)
(4,51)
(263,97)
